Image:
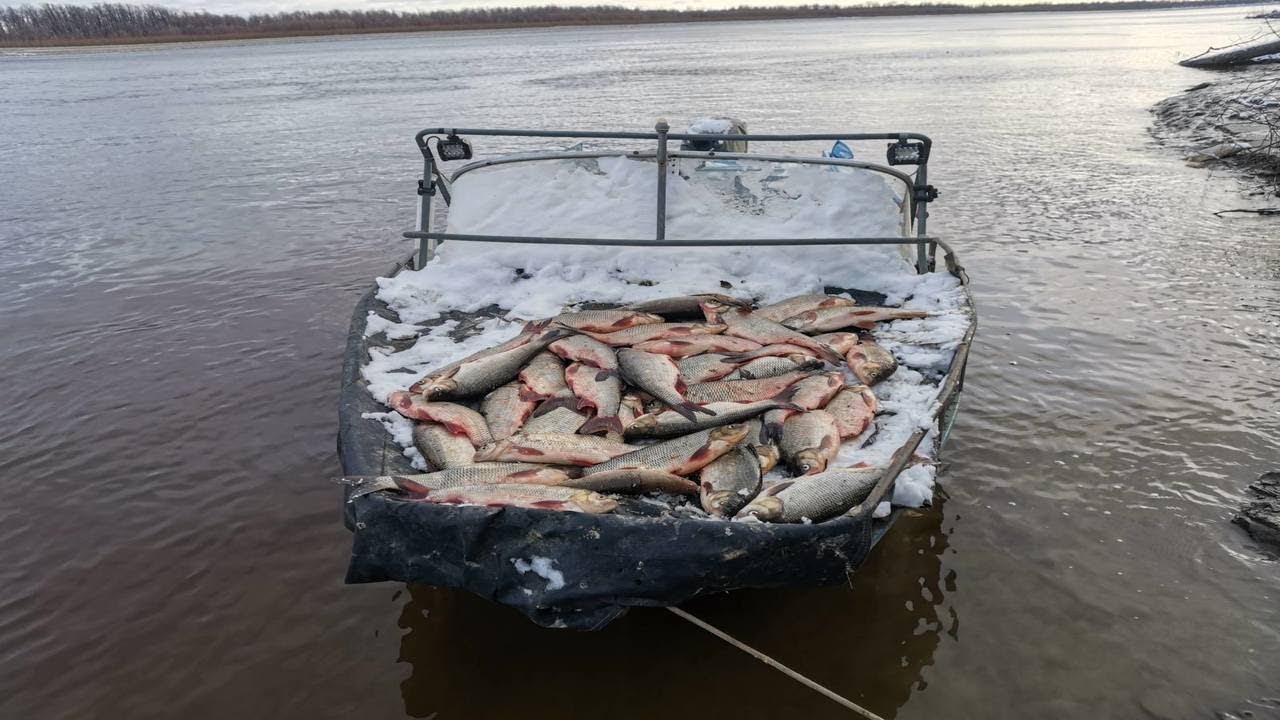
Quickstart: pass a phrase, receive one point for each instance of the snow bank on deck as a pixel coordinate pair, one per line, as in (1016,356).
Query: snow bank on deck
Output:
(615,198)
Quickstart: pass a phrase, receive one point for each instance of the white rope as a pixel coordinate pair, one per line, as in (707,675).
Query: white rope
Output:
(776,665)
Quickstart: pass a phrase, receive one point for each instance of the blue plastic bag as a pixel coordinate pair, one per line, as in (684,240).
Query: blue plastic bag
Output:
(841,151)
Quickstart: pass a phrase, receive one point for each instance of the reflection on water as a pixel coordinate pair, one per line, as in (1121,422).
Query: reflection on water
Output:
(185,231)
(895,612)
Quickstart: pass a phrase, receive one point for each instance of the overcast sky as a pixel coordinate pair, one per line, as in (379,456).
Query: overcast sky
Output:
(244,7)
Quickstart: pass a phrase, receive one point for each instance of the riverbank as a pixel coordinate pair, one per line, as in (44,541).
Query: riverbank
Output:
(61,26)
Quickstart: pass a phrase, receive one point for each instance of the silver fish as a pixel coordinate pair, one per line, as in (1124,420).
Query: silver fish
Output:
(543,378)
(538,497)
(808,393)
(681,456)
(870,362)
(606,321)
(783,350)
(814,497)
(854,409)
(557,418)
(841,342)
(670,422)
(742,390)
(791,307)
(815,391)
(684,305)
(810,440)
(705,368)
(553,449)
(442,448)
(478,474)
(600,391)
(506,411)
(457,419)
(820,321)
(745,324)
(635,480)
(659,376)
(585,350)
(487,373)
(661,331)
(730,482)
(530,331)
(697,345)
(766,367)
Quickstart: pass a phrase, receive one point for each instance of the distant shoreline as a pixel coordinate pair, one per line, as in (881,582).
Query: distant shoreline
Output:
(569,16)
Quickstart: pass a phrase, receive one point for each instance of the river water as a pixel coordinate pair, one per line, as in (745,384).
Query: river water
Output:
(185,231)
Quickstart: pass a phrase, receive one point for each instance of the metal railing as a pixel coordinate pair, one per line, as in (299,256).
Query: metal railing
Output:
(915,202)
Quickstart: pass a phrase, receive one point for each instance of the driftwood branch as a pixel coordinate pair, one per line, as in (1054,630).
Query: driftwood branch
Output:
(1258,211)
(1233,56)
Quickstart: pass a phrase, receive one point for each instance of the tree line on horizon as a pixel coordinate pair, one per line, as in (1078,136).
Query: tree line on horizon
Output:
(49,24)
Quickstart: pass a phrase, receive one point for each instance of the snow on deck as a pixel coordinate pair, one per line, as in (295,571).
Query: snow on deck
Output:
(615,197)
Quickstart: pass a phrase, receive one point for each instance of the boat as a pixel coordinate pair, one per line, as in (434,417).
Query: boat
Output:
(546,237)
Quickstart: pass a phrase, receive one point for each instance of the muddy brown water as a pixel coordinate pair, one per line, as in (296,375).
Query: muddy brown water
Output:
(185,231)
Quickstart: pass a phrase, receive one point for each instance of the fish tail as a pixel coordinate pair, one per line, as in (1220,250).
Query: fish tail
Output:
(829,355)
(606,373)
(362,485)
(788,394)
(553,403)
(601,423)
(536,326)
(688,410)
(685,411)
(557,333)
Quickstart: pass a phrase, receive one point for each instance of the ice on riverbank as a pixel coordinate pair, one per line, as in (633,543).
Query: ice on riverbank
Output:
(1232,121)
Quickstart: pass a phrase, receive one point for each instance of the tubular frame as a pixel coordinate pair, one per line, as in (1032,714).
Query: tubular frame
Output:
(914,203)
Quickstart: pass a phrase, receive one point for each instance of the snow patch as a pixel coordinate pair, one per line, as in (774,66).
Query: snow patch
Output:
(710,126)
(376,324)
(914,486)
(542,567)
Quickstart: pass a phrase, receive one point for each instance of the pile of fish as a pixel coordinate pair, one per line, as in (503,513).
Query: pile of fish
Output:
(699,395)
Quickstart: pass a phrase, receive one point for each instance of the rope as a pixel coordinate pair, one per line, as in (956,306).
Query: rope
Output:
(861,711)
